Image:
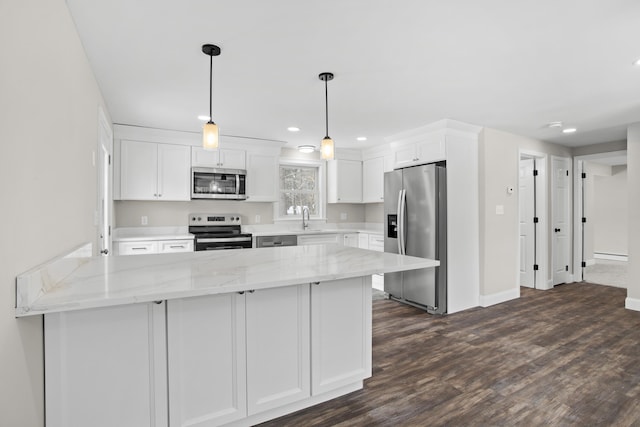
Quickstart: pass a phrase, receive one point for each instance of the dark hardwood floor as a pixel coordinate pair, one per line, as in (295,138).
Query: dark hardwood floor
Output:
(567,357)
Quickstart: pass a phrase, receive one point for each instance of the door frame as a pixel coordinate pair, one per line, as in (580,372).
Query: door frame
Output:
(104,193)
(578,183)
(541,280)
(569,276)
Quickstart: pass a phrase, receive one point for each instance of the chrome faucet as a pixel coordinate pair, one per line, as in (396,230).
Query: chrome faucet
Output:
(305,224)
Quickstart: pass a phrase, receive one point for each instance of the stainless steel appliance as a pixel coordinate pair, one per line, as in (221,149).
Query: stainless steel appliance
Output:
(218,231)
(276,241)
(415,212)
(212,183)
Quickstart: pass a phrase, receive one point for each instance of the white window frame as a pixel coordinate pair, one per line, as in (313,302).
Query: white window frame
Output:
(322,191)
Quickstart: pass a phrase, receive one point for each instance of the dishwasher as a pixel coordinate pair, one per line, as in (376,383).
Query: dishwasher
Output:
(276,241)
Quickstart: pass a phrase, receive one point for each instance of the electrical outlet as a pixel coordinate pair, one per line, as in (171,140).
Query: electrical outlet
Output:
(257,219)
(343,216)
(144,220)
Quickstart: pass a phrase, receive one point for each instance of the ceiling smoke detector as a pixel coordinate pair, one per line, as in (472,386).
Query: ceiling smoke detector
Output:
(554,125)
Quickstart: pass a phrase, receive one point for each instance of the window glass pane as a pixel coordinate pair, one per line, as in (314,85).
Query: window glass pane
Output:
(298,189)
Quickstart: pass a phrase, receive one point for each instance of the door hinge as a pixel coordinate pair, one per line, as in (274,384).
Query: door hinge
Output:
(566,268)
(567,172)
(535,267)
(109,158)
(535,219)
(584,264)
(584,175)
(109,230)
(584,219)
(535,172)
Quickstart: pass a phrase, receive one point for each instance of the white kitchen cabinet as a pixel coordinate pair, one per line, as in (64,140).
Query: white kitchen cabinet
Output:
(207,360)
(363,240)
(106,367)
(221,158)
(145,247)
(376,242)
(344,181)
(262,177)
(340,333)
(319,239)
(150,171)
(373,180)
(350,239)
(427,149)
(278,346)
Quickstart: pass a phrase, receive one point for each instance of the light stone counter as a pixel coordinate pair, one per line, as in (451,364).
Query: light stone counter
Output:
(69,284)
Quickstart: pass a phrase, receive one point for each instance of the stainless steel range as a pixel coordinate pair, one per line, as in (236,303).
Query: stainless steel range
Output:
(218,231)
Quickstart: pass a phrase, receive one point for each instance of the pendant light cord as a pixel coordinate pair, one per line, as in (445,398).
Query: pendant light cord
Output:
(326,109)
(210,88)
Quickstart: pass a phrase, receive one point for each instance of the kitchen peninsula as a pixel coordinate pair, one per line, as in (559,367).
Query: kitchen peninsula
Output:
(231,337)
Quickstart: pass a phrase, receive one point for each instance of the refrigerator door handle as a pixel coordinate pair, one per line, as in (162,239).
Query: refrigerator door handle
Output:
(402,206)
(399,222)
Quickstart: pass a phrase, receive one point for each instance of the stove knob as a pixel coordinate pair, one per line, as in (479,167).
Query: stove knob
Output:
(199,219)
(193,218)
(237,218)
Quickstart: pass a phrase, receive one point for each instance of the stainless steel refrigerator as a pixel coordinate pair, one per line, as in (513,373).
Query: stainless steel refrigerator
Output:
(415,212)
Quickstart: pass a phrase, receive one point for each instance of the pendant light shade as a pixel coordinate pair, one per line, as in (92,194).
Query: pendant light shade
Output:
(210,132)
(326,146)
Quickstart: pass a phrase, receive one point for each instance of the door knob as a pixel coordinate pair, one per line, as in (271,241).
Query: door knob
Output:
(557,230)
(104,251)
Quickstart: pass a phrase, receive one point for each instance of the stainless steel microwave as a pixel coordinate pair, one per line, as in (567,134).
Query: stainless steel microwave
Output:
(214,183)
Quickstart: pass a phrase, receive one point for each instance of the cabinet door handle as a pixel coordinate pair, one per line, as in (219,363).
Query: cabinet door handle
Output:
(139,249)
(177,246)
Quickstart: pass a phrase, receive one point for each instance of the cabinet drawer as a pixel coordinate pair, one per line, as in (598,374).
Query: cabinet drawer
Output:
(318,239)
(167,246)
(376,243)
(137,248)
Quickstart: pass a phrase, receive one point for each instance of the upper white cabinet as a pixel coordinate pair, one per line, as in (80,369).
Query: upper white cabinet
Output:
(428,149)
(221,158)
(373,180)
(262,176)
(150,171)
(344,181)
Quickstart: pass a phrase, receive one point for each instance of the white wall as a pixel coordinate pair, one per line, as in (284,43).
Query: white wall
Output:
(633,180)
(499,157)
(592,170)
(610,213)
(49,108)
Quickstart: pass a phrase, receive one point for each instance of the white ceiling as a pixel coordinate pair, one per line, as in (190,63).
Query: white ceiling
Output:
(398,65)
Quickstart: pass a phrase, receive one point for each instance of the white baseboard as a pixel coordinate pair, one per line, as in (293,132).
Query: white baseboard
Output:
(612,257)
(590,262)
(497,298)
(632,304)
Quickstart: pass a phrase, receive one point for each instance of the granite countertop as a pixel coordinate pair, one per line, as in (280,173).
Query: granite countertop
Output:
(300,232)
(138,234)
(67,284)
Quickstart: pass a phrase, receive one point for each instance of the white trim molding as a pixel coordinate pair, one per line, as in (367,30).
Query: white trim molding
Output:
(499,297)
(632,304)
(611,257)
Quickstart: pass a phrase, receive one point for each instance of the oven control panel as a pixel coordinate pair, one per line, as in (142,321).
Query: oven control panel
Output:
(214,219)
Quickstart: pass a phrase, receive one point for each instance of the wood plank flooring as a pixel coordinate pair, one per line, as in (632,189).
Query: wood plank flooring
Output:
(567,357)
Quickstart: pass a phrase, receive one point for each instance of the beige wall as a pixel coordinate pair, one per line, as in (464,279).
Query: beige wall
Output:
(374,212)
(49,108)
(499,156)
(633,181)
(610,213)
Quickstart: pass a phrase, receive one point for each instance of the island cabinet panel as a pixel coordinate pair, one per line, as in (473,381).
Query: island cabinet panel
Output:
(340,333)
(278,344)
(206,360)
(106,367)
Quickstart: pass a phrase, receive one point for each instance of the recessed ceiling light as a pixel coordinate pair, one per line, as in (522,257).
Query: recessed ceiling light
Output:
(554,125)
(569,130)
(306,148)
(636,62)
(293,129)
(204,118)
(361,138)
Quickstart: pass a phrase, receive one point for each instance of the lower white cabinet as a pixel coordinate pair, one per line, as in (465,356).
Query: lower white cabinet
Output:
(106,367)
(319,239)
(206,360)
(143,247)
(242,357)
(340,333)
(350,239)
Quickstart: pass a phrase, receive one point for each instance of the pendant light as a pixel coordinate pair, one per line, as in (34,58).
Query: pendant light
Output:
(326,146)
(210,133)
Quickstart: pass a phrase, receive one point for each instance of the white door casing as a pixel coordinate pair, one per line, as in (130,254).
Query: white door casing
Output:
(105,187)
(560,218)
(526,199)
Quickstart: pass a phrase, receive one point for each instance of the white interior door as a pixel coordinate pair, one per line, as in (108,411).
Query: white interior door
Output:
(560,221)
(526,199)
(105,177)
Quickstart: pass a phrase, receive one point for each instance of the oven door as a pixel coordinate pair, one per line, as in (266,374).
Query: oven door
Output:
(220,243)
(211,183)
